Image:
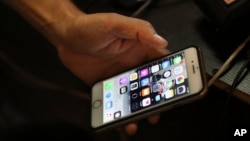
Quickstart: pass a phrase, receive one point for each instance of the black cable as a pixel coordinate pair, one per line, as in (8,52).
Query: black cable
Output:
(222,116)
(142,8)
(238,78)
(241,73)
(225,66)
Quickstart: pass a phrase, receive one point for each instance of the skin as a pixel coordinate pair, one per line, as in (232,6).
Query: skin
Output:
(93,46)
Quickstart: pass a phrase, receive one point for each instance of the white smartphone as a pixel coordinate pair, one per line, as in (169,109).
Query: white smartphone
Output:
(172,80)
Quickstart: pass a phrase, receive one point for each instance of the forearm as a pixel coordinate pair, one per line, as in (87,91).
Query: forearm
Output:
(47,16)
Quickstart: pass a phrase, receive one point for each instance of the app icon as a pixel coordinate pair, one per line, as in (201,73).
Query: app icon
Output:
(145,92)
(167,74)
(169,83)
(181,89)
(123,89)
(135,106)
(133,76)
(157,98)
(144,72)
(166,64)
(117,114)
(109,105)
(134,95)
(169,93)
(177,60)
(146,102)
(180,79)
(133,86)
(108,86)
(157,88)
(155,68)
(108,115)
(123,80)
(145,82)
(108,94)
(178,70)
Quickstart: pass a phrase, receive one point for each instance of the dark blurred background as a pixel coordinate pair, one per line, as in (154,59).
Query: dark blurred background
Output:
(41,99)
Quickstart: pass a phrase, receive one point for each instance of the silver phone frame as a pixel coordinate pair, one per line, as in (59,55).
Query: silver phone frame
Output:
(176,102)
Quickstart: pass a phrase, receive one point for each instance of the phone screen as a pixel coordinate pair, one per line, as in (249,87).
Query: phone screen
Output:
(155,83)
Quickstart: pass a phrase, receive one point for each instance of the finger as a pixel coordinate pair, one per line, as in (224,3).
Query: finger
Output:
(132,28)
(154,119)
(148,36)
(160,41)
(131,128)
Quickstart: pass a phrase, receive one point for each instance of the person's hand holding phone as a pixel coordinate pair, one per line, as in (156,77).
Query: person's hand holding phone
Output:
(101,45)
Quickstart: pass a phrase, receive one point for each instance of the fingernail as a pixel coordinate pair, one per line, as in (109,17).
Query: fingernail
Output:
(159,37)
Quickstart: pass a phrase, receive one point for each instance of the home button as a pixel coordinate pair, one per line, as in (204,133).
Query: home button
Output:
(97,103)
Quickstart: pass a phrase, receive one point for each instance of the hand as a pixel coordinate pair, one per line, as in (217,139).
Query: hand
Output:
(100,45)
(93,46)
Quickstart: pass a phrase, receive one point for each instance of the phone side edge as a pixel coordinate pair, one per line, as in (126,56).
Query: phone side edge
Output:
(96,110)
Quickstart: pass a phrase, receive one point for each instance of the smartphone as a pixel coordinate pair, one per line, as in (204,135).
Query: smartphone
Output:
(162,84)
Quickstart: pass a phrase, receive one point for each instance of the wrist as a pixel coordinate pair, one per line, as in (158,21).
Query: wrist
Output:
(56,28)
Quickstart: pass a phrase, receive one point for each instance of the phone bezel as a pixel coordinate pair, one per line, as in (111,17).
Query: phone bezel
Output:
(198,64)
